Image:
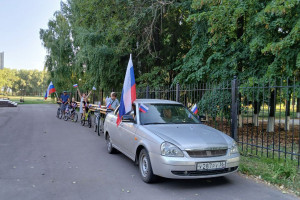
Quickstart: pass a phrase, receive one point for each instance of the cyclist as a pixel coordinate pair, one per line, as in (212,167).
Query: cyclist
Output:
(64,98)
(83,99)
(73,104)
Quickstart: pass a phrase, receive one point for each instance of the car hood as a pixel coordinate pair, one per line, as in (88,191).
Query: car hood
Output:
(191,136)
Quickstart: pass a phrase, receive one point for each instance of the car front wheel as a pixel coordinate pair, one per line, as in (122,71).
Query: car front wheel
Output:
(145,167)
(109,145)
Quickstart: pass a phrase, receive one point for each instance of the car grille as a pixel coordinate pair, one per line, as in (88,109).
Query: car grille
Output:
(206,153)
(204,173)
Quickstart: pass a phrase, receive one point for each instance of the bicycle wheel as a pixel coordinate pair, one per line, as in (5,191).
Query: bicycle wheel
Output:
(95,123)
(75,117)
(66,117)
(58,113)
(82,120)
(99,125)
(89,121)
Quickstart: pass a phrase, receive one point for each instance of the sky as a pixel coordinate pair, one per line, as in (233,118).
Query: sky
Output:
(20,23)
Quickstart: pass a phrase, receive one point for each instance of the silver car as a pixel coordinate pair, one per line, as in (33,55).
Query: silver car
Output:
(165,139)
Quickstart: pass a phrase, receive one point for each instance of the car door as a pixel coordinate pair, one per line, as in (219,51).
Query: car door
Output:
(113,129)
(127,137)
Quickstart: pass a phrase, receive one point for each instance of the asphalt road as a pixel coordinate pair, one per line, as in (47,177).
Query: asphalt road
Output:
(42,157)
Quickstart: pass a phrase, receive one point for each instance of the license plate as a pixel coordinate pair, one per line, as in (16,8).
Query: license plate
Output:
(211,165)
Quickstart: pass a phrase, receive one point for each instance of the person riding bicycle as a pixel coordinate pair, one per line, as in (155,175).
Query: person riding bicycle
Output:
(83,99)
(64,98)
(73,104)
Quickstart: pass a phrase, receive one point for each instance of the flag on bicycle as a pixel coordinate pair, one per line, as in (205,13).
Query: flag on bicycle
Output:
(194,109)
(75,85)
(128,93)
(108,105)
(50,90)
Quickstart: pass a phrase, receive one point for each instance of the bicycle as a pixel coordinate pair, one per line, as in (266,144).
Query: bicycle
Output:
(59,112)
(71,114)
(98,123)
(87,118)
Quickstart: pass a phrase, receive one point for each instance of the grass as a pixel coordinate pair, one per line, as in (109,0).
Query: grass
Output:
(31,100)
(279,172)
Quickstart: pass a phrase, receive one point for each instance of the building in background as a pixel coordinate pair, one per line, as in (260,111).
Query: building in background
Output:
(1,60)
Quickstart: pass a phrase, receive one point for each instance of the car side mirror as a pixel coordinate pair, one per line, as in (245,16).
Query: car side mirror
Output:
(128,119)
(202,118)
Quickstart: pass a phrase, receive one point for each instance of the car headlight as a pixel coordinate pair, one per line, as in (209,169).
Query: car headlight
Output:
(234,148)
(170,150)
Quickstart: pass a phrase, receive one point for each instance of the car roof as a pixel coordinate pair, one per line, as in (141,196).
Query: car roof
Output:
(156,101)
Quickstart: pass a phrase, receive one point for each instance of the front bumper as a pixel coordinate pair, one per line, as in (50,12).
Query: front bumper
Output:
(185,167)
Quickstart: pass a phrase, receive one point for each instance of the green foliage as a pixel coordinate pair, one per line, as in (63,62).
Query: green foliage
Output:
(23,81)
(280,172)
(89,43)
(215,102)
(244,38)
(91,40)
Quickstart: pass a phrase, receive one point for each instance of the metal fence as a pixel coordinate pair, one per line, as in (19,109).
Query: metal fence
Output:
(262,116)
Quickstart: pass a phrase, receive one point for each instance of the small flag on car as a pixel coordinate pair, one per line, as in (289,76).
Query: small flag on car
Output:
(194,109)
(143,108)
(75,85)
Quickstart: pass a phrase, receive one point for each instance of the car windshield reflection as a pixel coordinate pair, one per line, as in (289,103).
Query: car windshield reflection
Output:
(166,114)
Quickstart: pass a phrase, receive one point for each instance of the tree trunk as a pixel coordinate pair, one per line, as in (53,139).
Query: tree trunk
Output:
(256,106)
(272,105)
(298,107)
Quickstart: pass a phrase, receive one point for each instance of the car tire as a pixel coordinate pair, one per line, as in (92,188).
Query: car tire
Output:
(109,145)
(145,167)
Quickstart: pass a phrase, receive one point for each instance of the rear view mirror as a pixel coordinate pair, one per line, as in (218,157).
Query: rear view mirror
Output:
(128,118)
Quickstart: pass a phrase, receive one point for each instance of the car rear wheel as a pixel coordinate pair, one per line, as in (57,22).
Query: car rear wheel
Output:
(145,167)
(109,145)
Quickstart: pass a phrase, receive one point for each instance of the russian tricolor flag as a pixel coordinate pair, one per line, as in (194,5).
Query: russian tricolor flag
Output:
(75,85)
(143,108)
(50,90)
(108,105)
(194,109)
(128,93)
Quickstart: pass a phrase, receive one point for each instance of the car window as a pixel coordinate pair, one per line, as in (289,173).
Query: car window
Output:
(166,114)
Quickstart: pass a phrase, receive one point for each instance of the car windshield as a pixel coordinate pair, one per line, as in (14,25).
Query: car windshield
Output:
(166,114)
